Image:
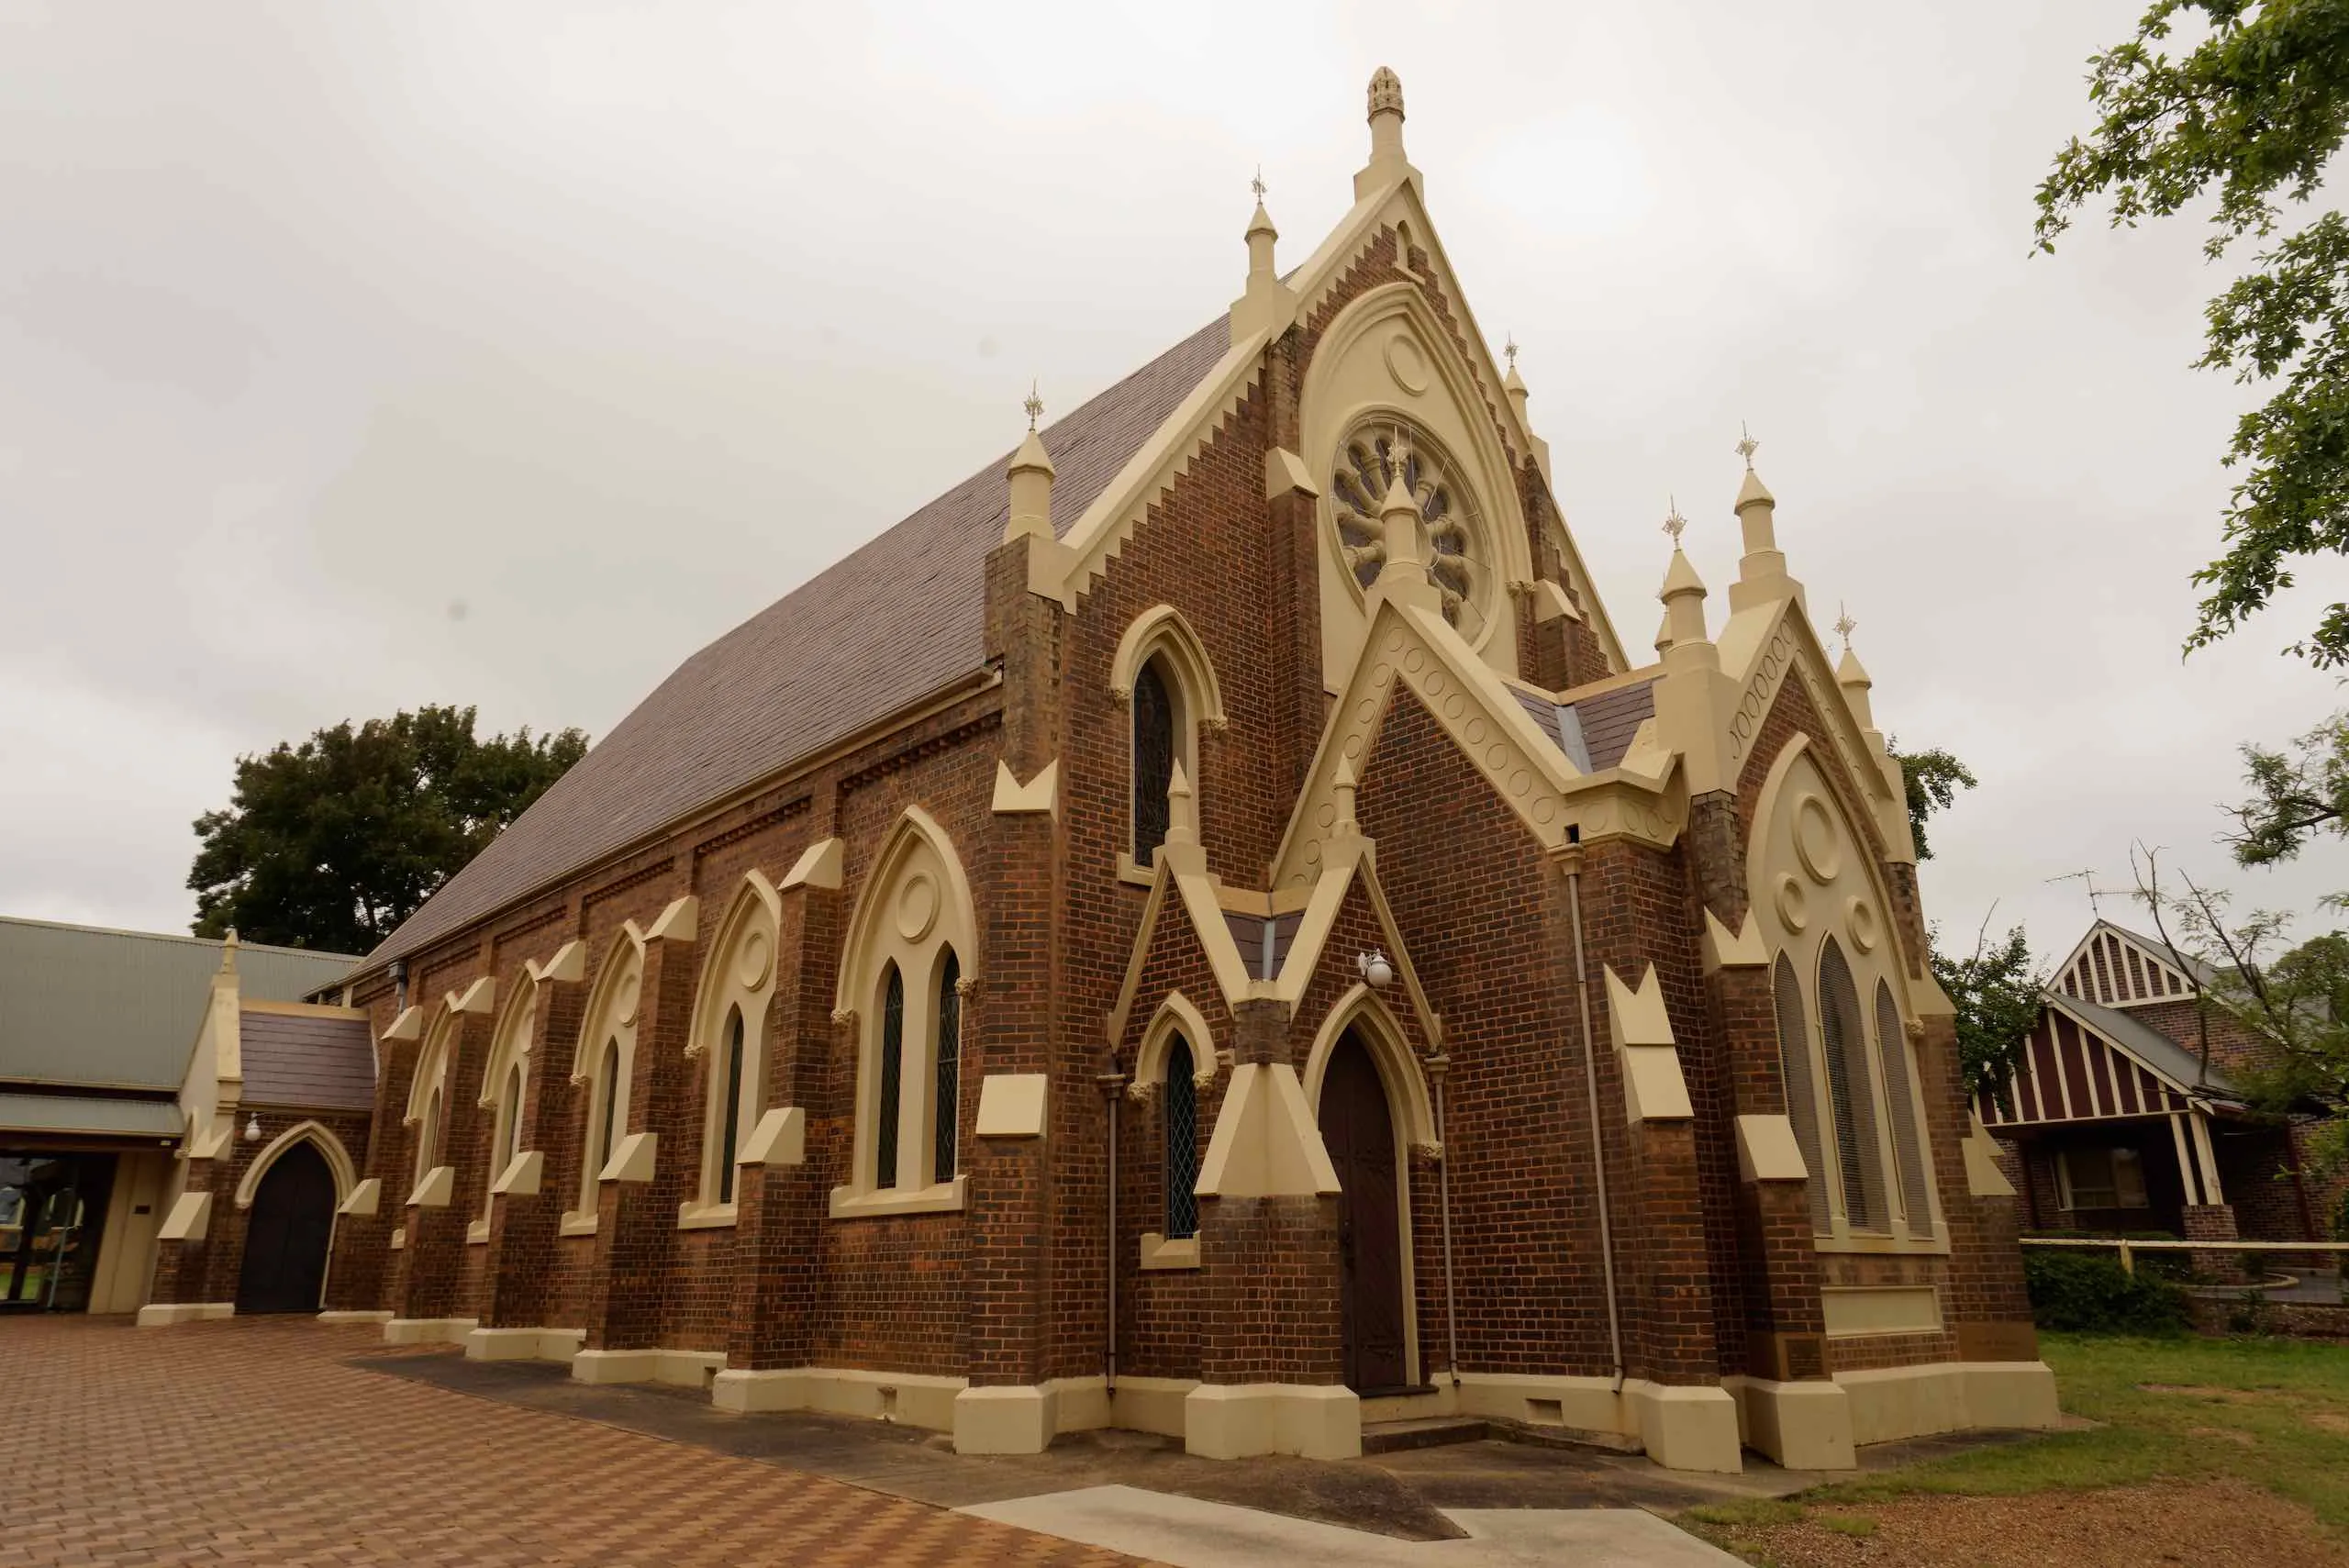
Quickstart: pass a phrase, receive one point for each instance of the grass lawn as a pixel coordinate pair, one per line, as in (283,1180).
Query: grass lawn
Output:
(2273,1413)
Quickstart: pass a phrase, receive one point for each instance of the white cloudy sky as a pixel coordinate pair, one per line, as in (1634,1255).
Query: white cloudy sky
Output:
(357,356)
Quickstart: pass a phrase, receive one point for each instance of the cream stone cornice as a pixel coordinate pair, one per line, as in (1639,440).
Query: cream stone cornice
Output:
(1760,647)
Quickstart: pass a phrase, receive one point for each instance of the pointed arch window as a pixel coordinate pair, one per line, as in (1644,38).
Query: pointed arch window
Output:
(893,1073)
(1154,750)
(1181,1105)
(731,1115)
(1851,1092)
(946,1107)
(428,1136)
(509,1119)
(607,1113)
(1908,1144)
(1802,1095)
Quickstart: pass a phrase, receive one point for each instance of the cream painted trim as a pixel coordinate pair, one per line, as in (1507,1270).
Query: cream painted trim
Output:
(615,1005)
(1011,1104)
(780,1139)
(1176,1015)
(410,1025)
(1158,1252)
(433,1064)
(677,921)
(1351,858)
(567,967)
(633,1160)
(915,1399)
(1162,628)
(190,1219)
(691,1215)
(437,1188)
(602,997)
(428,1330)
(1133,874)
(477,1000)
(365,1197)
(1145,933)
(166,1314)
(477,1233)
(912,823)
(557,1345)
(522,1175)
(1284,474)
(1653,1089)
(346,1174)
(881,1202)
(578,1223)
(1983,1177)
(818,865)
(1746,949)
(1802,1425)
(1852,1311)
(1243,1420)
(1890,1404)
(366,1314)
(1038,796)
(1398,1065)
(1766,1151)
(398,1238)
(1758,649)
(1265,1141)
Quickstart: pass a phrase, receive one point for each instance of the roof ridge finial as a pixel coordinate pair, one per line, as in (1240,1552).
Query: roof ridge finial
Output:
(1674,523)
(1033,403)
(1844,625)
(1746,445)
(1258,185)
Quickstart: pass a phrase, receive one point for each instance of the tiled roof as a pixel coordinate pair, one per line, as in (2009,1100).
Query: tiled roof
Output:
(1595,731)
(315,1061)
(901,617)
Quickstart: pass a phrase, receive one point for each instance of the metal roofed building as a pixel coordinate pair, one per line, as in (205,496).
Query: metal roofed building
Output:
(96,1029)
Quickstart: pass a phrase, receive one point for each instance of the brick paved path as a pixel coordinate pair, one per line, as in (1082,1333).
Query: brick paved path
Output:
(249,1442)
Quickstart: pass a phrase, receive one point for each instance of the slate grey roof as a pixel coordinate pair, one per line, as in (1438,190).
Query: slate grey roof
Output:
(2147,1044)
(82,1005)
(308,1060)
(899,618)
(1596,731)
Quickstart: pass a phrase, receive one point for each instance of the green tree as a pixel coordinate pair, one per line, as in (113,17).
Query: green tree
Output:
(1996,992)
(1932,779)
(2253,111)
(2295,795)
(330,844)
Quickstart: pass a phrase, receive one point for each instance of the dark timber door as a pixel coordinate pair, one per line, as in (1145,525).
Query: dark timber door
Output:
(1360,1134)
(286,1236)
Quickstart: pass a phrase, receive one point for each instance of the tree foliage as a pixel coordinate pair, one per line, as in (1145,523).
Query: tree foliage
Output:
(1996,992)
(2295,795)
(2254,112)
(1932,780)
(330,844)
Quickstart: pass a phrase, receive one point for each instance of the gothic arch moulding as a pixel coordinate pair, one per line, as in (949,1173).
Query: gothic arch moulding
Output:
(1163,631)
(1390,1051)
(737,977)
(1388,358)
(1174,1016)
(338,1159)
(602,1061)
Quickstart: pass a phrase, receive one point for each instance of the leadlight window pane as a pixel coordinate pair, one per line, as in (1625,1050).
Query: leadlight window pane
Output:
(1851,1092)
(1907,1138)
(1153,761)
(733,1109)
(893,1062)
(1181,1102)
(948,1105)
(513,1120)
(611,1086)
(1802,1098)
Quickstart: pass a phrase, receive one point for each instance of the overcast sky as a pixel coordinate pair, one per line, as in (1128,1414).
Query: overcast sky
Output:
(358,356)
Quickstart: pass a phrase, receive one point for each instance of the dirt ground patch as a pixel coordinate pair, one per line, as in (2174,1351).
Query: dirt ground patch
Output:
(2223,1525)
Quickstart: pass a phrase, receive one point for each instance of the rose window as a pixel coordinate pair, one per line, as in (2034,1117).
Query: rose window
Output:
(1452,545)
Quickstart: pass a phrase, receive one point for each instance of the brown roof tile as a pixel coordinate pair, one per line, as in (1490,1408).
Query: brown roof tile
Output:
(900,618)
(307,1060)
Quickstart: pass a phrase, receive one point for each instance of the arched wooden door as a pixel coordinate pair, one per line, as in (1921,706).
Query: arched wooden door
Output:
(285,1235)
(1359,1131)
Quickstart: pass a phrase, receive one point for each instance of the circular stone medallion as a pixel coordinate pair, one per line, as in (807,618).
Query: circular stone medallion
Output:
(916,906)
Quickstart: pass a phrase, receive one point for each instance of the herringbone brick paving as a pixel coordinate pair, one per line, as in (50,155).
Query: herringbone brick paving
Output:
(249,1442)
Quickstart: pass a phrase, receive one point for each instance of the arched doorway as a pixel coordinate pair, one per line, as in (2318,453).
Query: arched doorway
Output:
(1358,1130)
(285,1234)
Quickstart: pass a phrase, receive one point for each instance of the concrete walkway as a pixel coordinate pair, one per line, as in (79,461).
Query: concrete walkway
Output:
(1188,1532)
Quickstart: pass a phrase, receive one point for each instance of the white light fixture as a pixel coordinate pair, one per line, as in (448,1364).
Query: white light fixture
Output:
(252,1129)
(1376,969)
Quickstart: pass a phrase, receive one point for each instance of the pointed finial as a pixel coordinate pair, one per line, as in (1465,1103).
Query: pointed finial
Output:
(1844,626)
(1257,184)
(1386,93)
(1034,405)
(1674,523)
(1509,350)
(1746,445)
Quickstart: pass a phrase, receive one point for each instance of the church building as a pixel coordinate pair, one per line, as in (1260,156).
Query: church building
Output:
(1205,928)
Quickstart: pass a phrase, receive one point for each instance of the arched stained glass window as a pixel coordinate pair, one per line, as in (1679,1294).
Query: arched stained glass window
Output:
(1908,1144)
(509,1115)
(1851,1092)
(730,1126)
(428,1135)
(606,1135)
(1181,1102)
(892,1068)
(947,1108)
(1802,1095)
(1153,761)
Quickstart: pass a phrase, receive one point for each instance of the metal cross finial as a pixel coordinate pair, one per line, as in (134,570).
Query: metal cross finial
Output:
(1843,626)
(1509,350)
(1746,445)
(1035,407)
(1674,522)
(1257,184)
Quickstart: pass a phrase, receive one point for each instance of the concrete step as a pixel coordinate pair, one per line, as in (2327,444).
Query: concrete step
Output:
(1426,1431)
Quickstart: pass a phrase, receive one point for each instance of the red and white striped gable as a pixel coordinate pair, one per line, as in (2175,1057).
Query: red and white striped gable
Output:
(2071,1071)
(2114,968)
